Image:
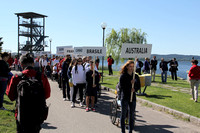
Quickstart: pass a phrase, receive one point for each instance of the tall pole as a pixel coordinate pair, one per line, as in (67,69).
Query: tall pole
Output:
(103,56)
(50,48)
(18,38)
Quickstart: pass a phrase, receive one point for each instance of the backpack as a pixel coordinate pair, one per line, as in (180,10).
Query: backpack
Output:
(140,64)
(31,102)
(113,61)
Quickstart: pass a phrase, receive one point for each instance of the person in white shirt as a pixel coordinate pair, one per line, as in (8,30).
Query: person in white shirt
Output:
(79,81)
(56,60)
(44,62)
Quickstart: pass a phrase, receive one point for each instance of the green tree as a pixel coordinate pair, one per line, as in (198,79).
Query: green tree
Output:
(114,40)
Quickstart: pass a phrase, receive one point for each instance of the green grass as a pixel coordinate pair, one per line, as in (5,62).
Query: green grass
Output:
(173,83)
(173,99)
(7,118)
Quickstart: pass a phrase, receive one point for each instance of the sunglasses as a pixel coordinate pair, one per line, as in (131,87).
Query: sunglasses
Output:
(79,61)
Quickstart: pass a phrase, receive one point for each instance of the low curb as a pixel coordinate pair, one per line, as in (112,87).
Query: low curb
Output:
(177,114)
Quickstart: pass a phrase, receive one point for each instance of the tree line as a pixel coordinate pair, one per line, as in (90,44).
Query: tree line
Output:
(115,39)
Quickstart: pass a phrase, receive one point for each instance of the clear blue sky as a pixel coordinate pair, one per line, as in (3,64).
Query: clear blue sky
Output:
(173,26)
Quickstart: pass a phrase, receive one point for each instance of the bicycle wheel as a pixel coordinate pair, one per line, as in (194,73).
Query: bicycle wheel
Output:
(113,111)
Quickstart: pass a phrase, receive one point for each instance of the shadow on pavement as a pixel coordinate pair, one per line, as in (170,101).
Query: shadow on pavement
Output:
(45,125)
(153,128)
(103,104)
(158,96)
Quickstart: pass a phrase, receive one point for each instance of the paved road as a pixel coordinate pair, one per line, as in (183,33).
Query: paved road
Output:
(64,119)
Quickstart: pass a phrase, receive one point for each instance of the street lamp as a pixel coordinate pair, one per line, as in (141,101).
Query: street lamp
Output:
(50,40)
(103,26)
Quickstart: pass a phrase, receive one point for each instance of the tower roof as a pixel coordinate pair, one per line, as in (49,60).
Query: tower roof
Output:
(30,15)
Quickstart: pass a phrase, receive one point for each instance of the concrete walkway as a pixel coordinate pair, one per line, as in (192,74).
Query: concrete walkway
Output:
(64,119)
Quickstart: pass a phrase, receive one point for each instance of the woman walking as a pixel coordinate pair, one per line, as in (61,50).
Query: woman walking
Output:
(126,81)
(69,75)
(91,89)
(78,76)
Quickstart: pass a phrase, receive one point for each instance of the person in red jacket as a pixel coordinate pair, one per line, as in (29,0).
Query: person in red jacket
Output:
(10,60)
(27,64)
(110,62)
(194,75)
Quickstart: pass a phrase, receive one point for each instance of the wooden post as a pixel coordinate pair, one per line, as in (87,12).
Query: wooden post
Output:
(131,99)
(94,70)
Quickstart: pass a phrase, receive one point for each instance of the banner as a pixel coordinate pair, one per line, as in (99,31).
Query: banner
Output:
(136,50)
(78,50)
(69,51)
(60,49)
(90,51)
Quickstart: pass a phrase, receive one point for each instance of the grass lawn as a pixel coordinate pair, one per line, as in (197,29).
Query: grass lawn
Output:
(180,83)
(7,118)
(173,99)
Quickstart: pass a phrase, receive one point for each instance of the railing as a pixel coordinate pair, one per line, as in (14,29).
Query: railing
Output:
(28,22)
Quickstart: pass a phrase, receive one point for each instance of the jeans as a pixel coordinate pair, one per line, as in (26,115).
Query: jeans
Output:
(174,74)
(164,76)
(153,74)
(3,85)
(125,105)
(194,88)
(76,88)
(110,69)
(66,82)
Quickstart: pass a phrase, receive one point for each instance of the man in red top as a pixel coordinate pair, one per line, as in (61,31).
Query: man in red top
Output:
(194,75)
(110,62)
(27,64)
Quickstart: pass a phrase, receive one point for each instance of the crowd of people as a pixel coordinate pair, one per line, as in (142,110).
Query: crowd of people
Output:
(150,67)
(74,75)
(80,75)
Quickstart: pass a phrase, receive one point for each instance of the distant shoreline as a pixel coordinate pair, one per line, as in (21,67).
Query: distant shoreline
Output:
(177,56)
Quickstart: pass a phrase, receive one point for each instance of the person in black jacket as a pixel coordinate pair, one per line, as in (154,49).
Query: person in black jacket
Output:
(164,69)
(4,70)
(91,90)
(126,81)
(65,79)
(69,75)
(173,68)
(153,65)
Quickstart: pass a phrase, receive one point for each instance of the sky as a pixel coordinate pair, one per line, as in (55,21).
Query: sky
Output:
(172,26)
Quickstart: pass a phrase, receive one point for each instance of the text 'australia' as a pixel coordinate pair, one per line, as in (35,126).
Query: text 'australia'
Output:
(136,50)
(94,51)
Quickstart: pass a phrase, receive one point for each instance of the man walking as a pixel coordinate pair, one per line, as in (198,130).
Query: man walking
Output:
(164,69)
(153,65)
(65,79)
(29,113)
(174,68)
(110,62)
(194,75)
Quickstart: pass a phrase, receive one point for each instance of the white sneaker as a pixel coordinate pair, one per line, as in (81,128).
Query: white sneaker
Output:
(64,99)
(73,105)
(81,104)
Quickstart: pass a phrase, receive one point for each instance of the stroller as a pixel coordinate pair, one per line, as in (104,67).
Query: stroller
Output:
(115,109)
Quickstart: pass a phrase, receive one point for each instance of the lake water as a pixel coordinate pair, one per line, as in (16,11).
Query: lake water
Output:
(183,67)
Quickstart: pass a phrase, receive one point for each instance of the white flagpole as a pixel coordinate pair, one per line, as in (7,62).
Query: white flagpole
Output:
(131,99)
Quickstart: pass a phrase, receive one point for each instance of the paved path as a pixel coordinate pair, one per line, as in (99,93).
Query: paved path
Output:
(64,119)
